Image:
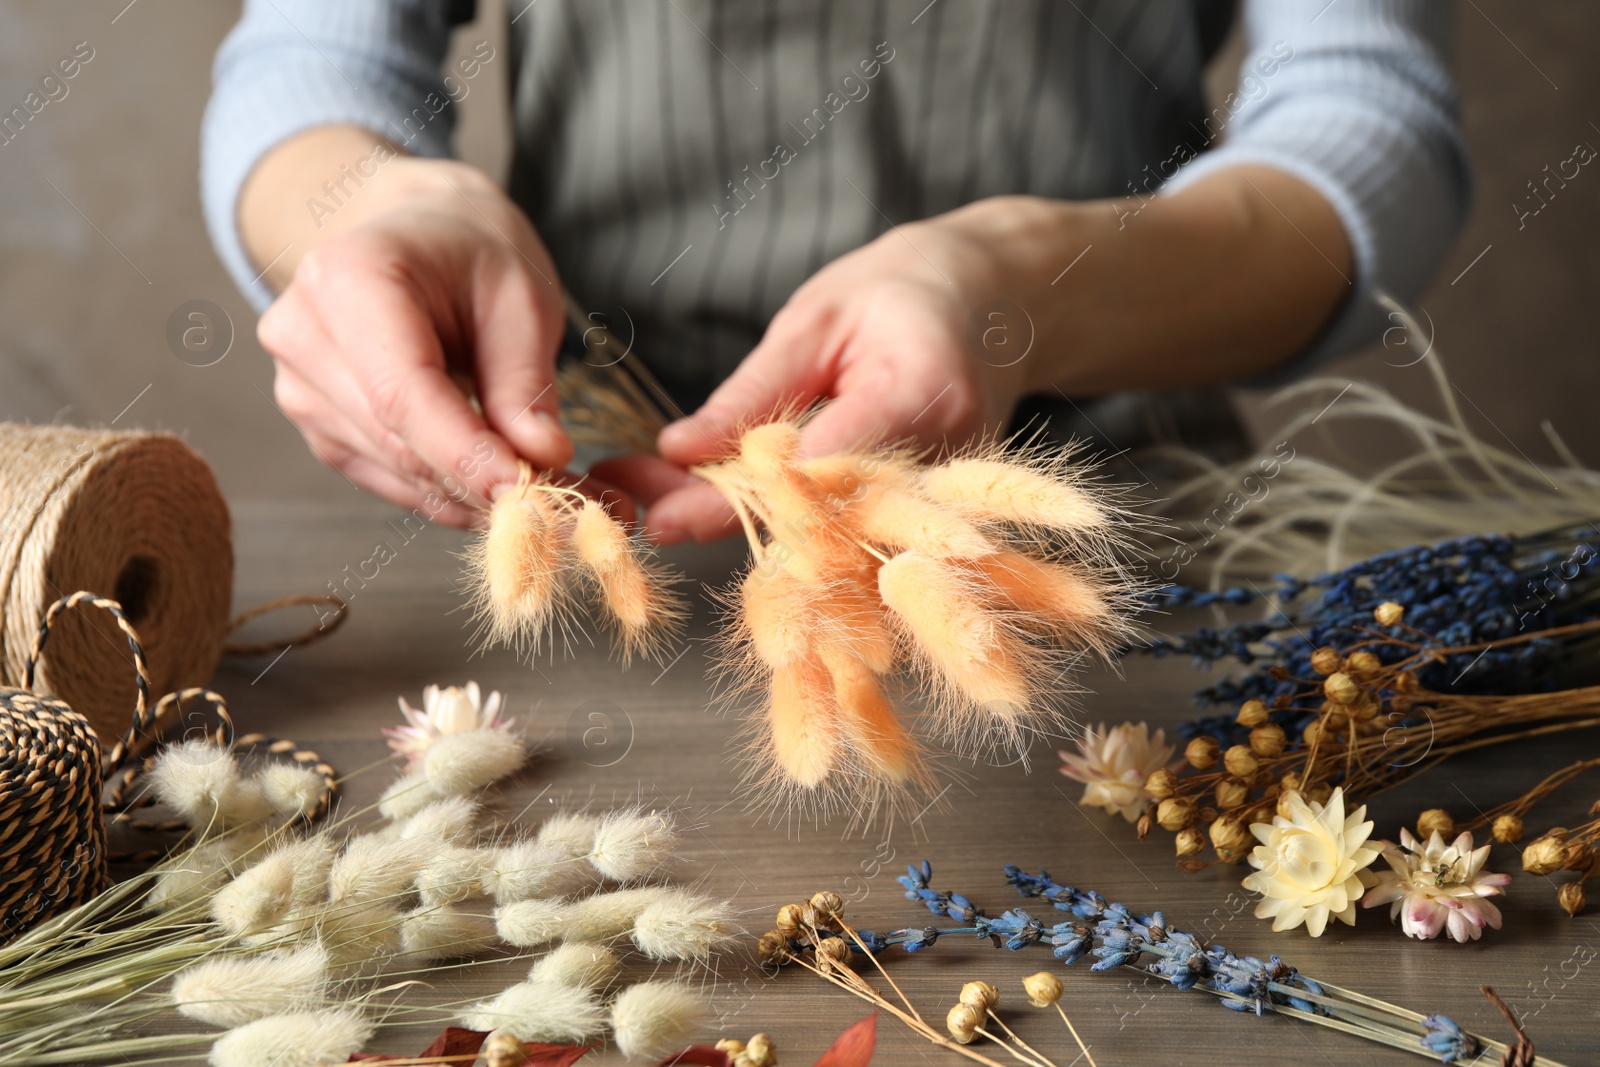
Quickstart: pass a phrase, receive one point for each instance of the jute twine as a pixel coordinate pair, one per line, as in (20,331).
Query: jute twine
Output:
(56,784)
(135,516)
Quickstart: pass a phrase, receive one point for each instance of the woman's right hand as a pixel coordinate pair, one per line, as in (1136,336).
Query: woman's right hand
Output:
(424,288)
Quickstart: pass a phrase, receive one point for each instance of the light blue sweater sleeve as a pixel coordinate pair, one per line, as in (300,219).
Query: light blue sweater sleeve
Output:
(290,65)
(1363,111)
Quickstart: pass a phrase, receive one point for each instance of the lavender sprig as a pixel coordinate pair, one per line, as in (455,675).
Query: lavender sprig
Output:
(1464,591)
(1118,937)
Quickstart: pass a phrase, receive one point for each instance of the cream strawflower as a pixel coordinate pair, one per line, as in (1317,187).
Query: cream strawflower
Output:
(1308,863)
(1114,763)
(452,710)
(1434,887)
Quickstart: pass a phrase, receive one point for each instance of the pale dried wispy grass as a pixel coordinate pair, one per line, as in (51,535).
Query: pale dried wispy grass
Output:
(546,549)
(294,1039)
(652,1018)
(232,991)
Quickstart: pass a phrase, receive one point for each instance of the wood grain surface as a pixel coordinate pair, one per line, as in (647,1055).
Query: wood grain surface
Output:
(646,735)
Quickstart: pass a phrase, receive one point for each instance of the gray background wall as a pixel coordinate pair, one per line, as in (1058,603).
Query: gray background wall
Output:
(101,238)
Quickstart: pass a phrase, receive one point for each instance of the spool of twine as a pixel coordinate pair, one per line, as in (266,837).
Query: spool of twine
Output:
(135,515)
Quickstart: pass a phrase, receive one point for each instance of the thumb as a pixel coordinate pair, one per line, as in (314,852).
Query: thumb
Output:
(518,333)
(786,368)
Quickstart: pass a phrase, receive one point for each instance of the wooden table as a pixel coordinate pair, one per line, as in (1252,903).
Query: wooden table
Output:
(611,737)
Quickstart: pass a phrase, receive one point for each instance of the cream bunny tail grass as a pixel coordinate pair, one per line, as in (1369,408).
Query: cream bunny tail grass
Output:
(540,1011)
(652,1018)
(294,1039)
(579,964)
(230,992)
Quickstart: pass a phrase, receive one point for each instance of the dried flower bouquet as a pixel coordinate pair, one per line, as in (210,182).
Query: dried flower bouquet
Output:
(981,579)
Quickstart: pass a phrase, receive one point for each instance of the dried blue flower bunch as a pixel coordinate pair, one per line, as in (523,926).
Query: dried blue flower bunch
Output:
(1117,937)
(1458,593)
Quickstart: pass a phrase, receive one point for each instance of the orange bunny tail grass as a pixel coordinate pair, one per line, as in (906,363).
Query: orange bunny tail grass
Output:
(889,515)
(869,722)
(515,569)
(1062,599)
(974,656)
(637,598)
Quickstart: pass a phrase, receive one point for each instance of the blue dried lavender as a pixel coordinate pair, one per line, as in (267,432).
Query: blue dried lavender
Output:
(1459,592)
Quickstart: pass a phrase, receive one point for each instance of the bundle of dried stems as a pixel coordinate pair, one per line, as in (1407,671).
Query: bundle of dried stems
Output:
(1375,727)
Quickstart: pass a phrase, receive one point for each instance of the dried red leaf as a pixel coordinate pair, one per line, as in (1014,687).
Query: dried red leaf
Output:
(854,1047)
(457,1041)
(698,1056)
(554,1055)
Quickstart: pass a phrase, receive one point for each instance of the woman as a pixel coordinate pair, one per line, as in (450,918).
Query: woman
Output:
(862,201)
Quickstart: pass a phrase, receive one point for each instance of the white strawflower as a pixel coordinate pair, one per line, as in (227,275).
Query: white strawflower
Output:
(233,991)
(464,763)
(294,1039)
(372,868)
(1309,864)
(531,923)
(540,1011)
(259,897)
(446,932)
(681,925)
(576,964)
(455,874)
(653,1018)
(192,877)
(449,821)
(1114,764)
(450,710)
(291,789)
(407,795)
(524,870)
(630,844)
(603,916)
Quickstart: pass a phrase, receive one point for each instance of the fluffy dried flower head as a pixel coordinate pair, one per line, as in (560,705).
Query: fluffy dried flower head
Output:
(451,710)
(652,1018)
(1116,765)
(446,931)
(202,783)
(259,897)
(576,963)
(230,992)
(372,868)
(194,876)
(293,790)
(1434,887)
(1043,989)
(540,1011)
(294,1039)
(603,916)
(1308,863)
(462,763)
(530,923)
(453,875)
(407,795)
(682,925)
(632,844)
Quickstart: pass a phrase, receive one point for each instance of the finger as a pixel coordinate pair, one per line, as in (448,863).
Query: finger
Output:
(424,501)
(399,367)
(518,333)
(879,405)
(645,478)
(696,512)
(788,368)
